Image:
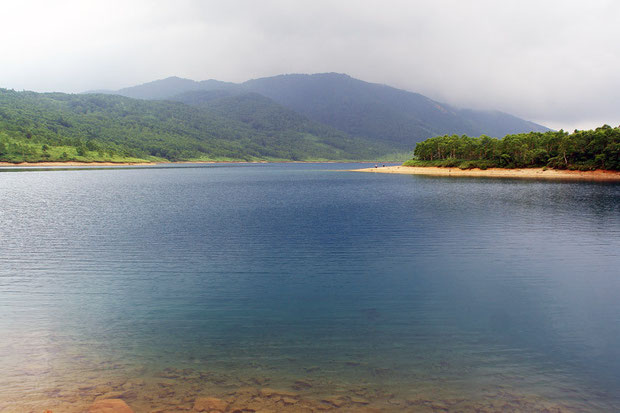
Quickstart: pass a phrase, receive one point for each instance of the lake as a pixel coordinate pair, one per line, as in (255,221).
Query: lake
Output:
(349,290)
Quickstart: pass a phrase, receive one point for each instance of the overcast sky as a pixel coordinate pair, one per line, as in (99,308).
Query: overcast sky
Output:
(553,62)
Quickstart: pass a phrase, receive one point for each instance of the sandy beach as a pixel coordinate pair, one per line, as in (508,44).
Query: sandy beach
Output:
(525,173)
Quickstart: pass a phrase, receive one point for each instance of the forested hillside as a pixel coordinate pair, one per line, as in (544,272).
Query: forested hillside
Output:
(258,112)
(583,150)
(55,126)
(378,112)
(381,112)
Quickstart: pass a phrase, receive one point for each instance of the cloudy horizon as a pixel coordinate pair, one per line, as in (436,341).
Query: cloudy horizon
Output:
(553,63)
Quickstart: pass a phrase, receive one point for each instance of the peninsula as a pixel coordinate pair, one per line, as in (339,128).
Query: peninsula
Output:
(582,155)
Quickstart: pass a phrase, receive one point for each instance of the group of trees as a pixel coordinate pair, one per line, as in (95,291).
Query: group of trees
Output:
(584,150)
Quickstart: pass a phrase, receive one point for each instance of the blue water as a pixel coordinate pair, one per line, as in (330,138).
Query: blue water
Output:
(449,286)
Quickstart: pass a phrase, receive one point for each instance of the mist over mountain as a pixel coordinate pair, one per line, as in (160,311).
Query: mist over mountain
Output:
(164,88)
(377,112)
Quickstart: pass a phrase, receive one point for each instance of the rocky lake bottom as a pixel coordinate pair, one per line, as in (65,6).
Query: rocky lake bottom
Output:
(187,390)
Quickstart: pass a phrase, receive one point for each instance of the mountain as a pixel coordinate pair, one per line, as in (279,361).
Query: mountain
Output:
(326,116)
(381,112)
(42,126)
(164,88)
(378,112)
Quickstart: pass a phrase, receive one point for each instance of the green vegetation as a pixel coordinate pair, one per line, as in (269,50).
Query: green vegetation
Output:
(581,150)
(38,127)
(17,150)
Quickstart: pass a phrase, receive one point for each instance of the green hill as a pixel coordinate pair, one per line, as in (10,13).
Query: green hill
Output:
(96,127)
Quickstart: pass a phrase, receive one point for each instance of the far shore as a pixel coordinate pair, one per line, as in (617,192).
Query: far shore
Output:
(74,163)
(523,173)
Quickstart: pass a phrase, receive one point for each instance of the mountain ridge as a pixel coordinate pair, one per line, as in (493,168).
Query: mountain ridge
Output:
(325,116)
(375,111)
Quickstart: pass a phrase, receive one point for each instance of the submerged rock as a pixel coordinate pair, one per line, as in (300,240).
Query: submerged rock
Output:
(302,385)
(359,400)
(134,383)
(334,401)
(208,404)
(439,405)
(269,392)
(110,406)
(288,400)
(125,395)
(247,391)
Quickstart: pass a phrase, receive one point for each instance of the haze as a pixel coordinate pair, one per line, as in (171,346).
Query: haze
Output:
(552,62)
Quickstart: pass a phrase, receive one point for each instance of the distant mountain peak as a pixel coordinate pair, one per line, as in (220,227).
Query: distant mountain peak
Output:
(165,88)
(375,111)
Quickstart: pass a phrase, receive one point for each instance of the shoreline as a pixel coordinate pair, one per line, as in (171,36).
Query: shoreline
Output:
(521,173)
(106,163)
(190,390)
(75,163)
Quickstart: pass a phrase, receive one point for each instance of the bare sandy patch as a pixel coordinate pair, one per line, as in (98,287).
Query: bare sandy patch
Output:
(523,173)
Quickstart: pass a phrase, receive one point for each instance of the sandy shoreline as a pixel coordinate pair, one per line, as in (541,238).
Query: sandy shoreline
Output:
(72,163)
(525,173)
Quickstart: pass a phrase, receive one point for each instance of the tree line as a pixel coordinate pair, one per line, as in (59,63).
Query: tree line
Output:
(581,150)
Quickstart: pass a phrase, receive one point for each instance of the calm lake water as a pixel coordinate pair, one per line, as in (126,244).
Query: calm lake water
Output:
(402,289)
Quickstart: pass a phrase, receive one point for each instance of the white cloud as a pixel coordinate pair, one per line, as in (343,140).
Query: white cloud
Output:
(554,62)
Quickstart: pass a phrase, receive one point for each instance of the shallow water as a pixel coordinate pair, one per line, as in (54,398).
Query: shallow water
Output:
(404,290)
